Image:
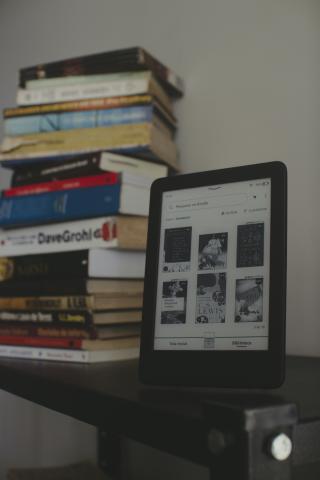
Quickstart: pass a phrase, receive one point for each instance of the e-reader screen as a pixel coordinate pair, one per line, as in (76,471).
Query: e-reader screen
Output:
(214,268)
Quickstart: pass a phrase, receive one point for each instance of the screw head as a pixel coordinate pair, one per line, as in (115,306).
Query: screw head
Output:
(281,447)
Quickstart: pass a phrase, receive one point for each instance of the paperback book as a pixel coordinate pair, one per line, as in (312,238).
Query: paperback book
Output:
(72,204)
(96,235)
(72,302)
(70,286)
(85,165)
(143,140)
(127,59)
(70,318)
(87,87)
(53,122)
(69,355)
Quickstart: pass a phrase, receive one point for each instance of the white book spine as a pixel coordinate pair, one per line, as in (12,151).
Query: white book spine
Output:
(64,355)
(128,165)
(81,92)
(121,264)
(59,237)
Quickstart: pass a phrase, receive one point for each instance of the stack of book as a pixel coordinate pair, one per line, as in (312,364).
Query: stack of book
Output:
(88,137)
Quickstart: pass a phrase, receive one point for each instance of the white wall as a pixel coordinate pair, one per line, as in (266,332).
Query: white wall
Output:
(252,73)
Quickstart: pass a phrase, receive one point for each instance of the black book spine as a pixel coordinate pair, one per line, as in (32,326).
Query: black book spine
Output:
(17,271)
(45,287)
(54,318)
(76,167)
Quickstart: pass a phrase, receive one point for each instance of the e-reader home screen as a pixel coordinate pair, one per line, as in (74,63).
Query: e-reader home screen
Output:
(214,266)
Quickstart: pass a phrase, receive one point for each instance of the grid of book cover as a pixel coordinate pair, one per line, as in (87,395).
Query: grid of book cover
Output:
(87,139)
(213,275)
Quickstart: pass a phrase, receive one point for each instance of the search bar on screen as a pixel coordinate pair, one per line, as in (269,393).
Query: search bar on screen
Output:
(215,201)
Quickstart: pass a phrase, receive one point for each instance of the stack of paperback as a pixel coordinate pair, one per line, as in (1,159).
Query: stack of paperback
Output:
(87,139)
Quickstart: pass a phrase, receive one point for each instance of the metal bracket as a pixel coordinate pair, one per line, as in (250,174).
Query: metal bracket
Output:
(250,443)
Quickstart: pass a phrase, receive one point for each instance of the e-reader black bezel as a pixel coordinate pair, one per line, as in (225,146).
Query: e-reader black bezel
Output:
(247,369)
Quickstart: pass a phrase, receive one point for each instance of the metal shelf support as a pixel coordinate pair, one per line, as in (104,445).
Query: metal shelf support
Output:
(250,443)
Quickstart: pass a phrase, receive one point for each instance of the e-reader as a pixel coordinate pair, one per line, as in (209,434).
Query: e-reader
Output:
(215,284)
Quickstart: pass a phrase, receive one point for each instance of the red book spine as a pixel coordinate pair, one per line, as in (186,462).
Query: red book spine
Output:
(109,178)
(45,342)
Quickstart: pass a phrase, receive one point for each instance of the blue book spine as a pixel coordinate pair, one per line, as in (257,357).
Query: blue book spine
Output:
(60,206)
(52,122)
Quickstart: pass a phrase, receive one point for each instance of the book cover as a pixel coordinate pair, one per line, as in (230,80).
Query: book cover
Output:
(134,58)
(72,204)
(143,139)
(121,232)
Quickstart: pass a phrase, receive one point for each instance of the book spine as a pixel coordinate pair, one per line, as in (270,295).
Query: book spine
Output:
(79,105)
(58,332)
(29,148)
(86,166)
(71,265)
(135,140)
(78,92)
(60,206)
(51,122)
(76,167)
(65,355)
(71,286)
(133,59)
(60,237)
(109,178)
(41,342)
(58,355)
(73,302)
(69,318)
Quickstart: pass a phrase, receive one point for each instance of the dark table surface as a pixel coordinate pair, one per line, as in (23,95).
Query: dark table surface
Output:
(110,396)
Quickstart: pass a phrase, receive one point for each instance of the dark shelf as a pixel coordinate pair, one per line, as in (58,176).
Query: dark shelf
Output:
(110,397)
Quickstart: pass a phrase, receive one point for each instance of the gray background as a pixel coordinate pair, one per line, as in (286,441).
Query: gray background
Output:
(252,74)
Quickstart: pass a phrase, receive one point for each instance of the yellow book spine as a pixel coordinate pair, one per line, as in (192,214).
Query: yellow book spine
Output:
(91,104)
(83,140)
(74,302)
